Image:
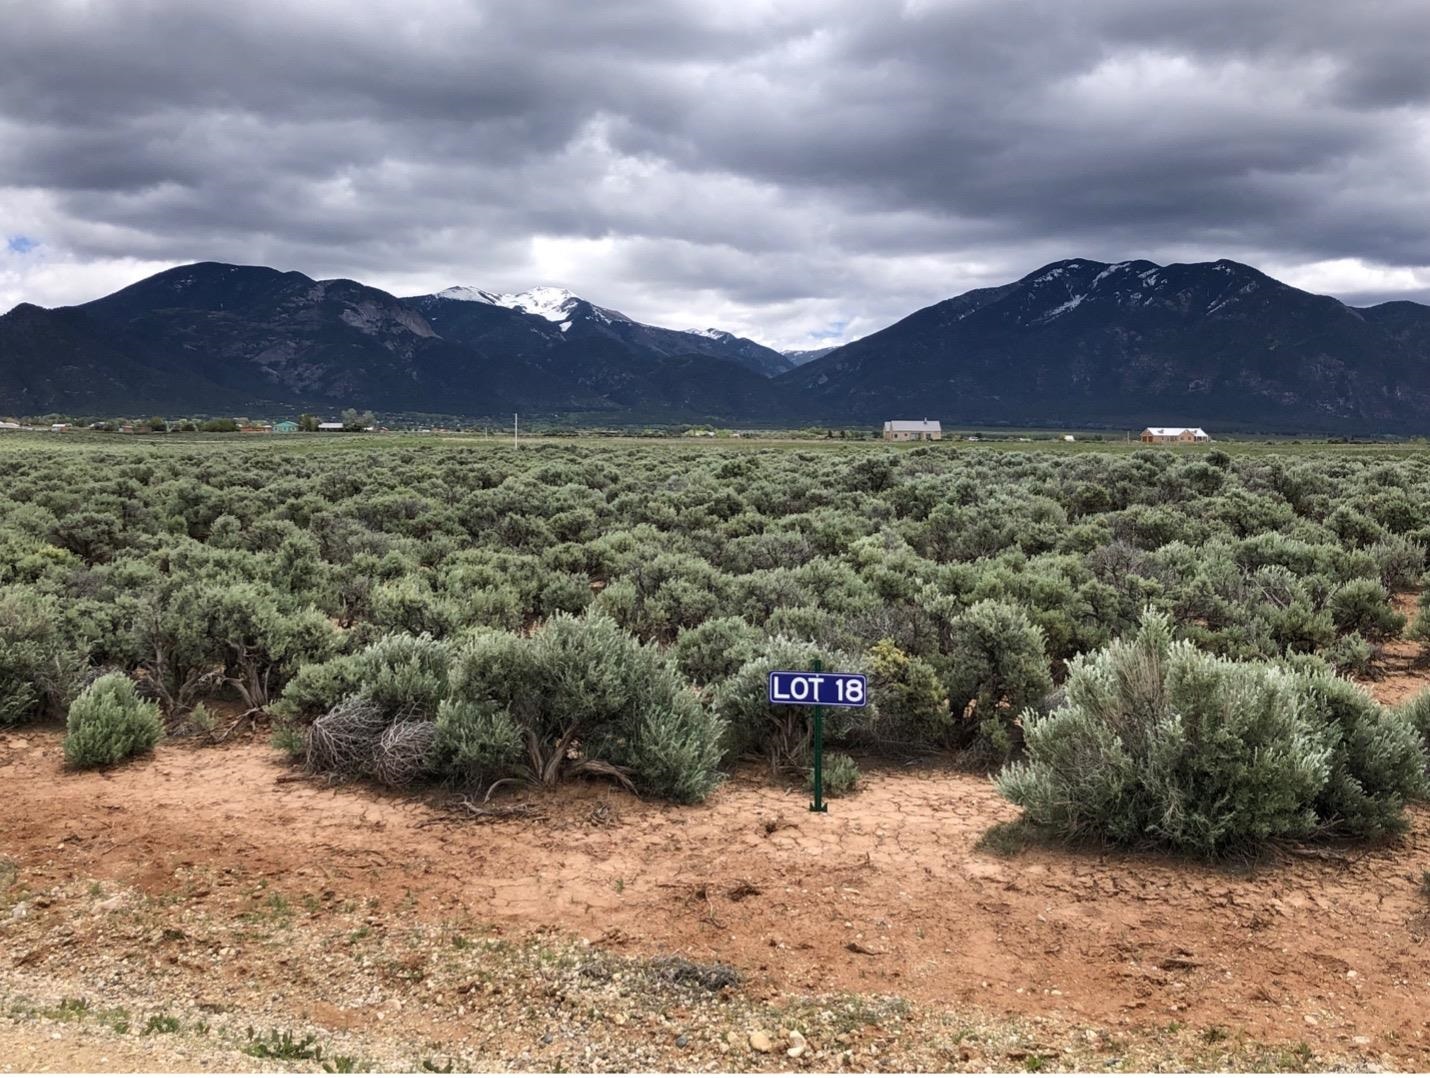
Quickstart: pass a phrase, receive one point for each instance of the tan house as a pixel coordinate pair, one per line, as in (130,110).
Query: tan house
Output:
(913,430)
(1175,435)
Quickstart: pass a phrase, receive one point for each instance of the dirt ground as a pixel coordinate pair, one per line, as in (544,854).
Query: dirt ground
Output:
(889,894)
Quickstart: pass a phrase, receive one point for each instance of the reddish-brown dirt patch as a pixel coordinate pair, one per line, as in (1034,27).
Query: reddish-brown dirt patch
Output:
(888,893)
(1402,667)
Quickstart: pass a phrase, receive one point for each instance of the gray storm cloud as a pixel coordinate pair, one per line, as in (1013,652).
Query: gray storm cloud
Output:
(789,170)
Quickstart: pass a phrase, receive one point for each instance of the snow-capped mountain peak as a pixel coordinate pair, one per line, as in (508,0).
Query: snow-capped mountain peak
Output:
(544,301)
(712,334)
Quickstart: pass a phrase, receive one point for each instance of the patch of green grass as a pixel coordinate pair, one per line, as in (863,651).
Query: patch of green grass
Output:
(1298,1057)
(160,1023)
(1215,1034)
(282,1045)
(1035,1063)
(429,1066)
(343,1065)
(69,1010)
(116,1018)
(289,738)
(275,909)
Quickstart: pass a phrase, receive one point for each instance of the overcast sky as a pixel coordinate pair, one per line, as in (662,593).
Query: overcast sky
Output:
(799,171)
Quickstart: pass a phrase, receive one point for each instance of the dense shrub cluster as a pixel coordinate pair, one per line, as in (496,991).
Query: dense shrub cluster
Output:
(962,580)
(577,696)
(1158,742)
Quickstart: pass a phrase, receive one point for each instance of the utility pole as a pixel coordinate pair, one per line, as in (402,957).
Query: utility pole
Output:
(515,426)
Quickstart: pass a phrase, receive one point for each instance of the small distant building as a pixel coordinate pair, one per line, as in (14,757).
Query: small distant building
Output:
(913,430)
(1069,437)
(285,426)
(330,426)
(1175,435)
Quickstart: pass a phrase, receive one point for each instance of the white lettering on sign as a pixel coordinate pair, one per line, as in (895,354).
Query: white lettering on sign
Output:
(830,690)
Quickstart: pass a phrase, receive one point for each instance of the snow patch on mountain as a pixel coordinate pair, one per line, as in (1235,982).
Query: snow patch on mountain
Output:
(468,295)
(544,301)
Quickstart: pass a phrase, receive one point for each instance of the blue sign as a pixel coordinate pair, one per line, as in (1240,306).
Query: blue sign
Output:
(827,690)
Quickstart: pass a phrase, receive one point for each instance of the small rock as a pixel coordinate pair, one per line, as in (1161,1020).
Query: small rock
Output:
(1311,1020)
(760,1041)
(20,911)
(1360,1042)
(681,1041)
(110,905)
(547,1038)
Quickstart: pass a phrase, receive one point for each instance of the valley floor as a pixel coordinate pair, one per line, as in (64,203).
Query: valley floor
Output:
(190,910)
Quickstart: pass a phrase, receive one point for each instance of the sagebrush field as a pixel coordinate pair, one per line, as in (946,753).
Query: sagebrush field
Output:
(1167,659)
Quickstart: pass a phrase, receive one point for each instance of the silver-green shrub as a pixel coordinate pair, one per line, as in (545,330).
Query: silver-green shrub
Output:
(995,665)
(578,696)
(109,722)
(1161,744)
(710,652)
(39,671)
(1416,713)
(1377,761)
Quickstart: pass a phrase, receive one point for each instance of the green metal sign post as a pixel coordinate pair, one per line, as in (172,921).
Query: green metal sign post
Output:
(818,805)
(814,688)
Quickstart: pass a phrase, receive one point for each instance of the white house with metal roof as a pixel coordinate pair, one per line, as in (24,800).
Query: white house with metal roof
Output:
(913,430)
(1175,435)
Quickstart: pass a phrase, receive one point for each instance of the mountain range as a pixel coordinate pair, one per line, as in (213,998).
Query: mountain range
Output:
(1077,343)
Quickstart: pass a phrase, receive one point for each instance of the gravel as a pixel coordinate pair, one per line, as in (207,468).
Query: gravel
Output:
(223,975)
